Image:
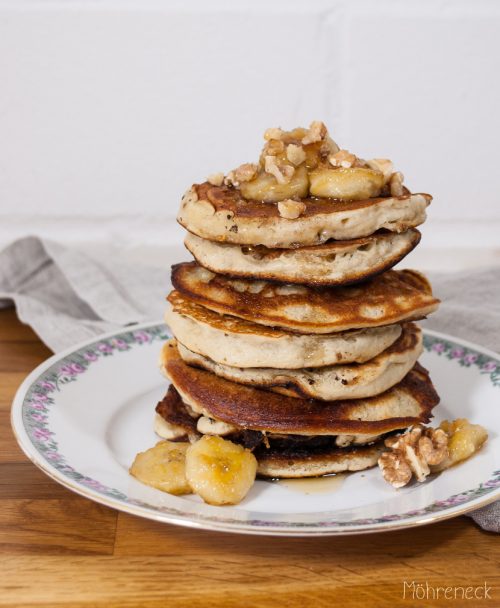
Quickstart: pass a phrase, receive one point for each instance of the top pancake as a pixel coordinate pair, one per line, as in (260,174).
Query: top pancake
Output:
(392,297)
(220,213)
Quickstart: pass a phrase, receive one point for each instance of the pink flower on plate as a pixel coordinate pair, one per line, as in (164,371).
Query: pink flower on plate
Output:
(489,366)
(66,370)
(38,406)
(92,483)
(52,455)
(119,344)
(470,359)
(38,417)
(456,353)
(90,356)
(438,347)
(104,348)
(40,397)
(77,368)
(141,337)
(49,386)
(42,434)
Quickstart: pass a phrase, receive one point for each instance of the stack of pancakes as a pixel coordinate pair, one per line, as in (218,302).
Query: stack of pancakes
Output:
(293,336)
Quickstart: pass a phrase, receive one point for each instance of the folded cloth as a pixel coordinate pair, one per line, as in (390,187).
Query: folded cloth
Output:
(68,296)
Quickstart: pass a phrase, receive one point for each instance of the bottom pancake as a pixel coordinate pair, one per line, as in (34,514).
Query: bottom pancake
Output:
(293,463)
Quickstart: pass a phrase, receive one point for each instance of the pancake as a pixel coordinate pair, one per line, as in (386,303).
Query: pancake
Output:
(334,263)
(220,213)
(281,458)
(392,297)
(174,420)
(327,383)
(296,463)
(409,402)
(239,343)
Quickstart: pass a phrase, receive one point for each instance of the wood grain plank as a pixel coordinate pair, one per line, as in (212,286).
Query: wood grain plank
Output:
(455,537)
(12,330)
(136,581)
(23,480)
(9,450)
(59,525)
(22,356)
(9,383)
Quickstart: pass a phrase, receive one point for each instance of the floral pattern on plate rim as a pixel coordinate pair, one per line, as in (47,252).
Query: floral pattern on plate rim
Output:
(39,400)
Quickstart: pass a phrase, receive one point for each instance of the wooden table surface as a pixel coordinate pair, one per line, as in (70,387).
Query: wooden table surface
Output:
(59,549)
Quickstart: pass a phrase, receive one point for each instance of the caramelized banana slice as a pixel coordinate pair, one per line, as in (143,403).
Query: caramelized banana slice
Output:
(464,439)
(163,467)
(266,188)
(220,471)
(355,183)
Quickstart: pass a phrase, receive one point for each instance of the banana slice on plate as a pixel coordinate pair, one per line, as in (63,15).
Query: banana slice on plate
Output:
(163,467)
(220,471)
(354,183)
(266,188)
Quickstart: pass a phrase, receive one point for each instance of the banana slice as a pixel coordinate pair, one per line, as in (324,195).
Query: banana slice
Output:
(163,467)
(220,471)
(266,188)
(355,183)
(464,439)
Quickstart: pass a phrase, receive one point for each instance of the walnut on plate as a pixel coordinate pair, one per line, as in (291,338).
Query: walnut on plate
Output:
(424,450)
(412,454)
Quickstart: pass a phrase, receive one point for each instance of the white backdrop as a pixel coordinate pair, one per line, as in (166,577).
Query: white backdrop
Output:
(110,110)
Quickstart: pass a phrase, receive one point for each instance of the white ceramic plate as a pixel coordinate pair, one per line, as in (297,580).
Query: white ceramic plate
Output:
(84,414)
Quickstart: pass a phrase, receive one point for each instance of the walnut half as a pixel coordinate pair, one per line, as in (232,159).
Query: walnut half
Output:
(413,453)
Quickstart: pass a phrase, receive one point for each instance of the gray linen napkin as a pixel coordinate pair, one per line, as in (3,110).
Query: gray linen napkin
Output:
(68,296)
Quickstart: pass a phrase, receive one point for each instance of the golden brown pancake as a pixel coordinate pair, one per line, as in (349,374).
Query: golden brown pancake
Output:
(282,455)
(189,425)
(390,298)
(232,341)
(296,463)
(409,402)
(352,381)
(220,213)
(333,263)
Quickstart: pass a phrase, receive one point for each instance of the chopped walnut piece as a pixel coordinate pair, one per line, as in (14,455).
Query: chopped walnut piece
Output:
(246,172)
(282,173)
(243,173)
(396,184)
(317,131)
(230,179)
(342,158)
(273,133)
(274,147)
(295,154)
(290,209)
(329,146)
(384,165)
(216,179)
(413,451)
